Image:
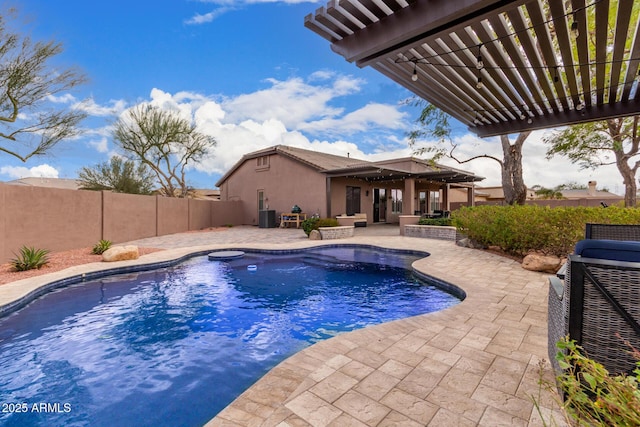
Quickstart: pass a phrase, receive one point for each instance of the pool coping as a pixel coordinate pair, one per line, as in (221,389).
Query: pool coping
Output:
(295,391)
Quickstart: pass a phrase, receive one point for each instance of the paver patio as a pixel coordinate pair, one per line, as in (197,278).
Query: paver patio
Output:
(477,363)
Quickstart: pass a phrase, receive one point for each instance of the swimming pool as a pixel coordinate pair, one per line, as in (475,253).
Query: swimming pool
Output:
(176,345)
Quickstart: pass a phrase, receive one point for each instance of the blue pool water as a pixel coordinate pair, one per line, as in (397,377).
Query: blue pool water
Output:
(176,345)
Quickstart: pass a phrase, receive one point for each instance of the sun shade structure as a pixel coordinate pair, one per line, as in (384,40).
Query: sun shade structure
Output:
(499,67)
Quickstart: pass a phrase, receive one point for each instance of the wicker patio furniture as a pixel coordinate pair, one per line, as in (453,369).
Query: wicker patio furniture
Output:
(595,301)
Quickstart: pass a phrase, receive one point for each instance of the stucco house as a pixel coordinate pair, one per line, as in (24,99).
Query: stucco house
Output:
(327,185)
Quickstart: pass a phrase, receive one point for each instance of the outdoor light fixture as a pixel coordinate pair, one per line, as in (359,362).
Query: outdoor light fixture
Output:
(580,106)
(480,63)
(414,77)
(556,78)
(574,27)
(479,85)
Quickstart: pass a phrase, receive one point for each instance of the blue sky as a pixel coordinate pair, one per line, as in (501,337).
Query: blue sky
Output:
(249,73)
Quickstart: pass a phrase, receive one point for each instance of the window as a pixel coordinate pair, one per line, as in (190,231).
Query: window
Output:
(396,201)
(262,162)
(260,200)
(434,200)
(353,200)
(422,197)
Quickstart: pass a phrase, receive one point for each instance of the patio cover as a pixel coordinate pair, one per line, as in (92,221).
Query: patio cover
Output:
(380,173)
(498,66)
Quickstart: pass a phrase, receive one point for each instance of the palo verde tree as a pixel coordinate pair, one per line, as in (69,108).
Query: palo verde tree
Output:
(435,124)
(30,125)
(164,141)
(612,141)
(118,175)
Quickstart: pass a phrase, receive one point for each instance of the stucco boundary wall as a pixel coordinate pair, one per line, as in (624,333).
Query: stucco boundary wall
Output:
(57,219)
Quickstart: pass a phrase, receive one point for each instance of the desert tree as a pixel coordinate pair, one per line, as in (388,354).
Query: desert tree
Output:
(30,123)
(164,141)
(435,124)
(118,175)
(608,142)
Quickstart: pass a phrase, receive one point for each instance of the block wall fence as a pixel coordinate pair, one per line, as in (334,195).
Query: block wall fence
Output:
(57,220)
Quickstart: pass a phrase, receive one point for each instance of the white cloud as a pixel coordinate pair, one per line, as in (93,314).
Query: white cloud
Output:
(293,101)
(101,145)
(66,98)
(40,171)
(366,118)
(89,106)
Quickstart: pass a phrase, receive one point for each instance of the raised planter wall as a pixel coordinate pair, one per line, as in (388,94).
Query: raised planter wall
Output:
(431,232)
(341,232)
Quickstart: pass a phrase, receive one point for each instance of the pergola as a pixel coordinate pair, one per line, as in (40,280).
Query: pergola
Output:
(498,66)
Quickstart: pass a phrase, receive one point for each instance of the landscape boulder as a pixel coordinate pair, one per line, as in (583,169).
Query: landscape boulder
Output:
(120,253)
(315,235)
(542,263)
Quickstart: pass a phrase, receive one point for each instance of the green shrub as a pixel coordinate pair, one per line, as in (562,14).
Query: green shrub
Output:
(593,397)
(519,229)
(327,222)
(101,246)
(310,224)
(30,258)
(435,221)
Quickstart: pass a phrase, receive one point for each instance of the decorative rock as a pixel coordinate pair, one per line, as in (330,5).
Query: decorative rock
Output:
(315,235)
(542,263)
(120,253)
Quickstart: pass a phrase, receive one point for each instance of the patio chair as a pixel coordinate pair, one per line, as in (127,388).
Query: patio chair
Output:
(597,303)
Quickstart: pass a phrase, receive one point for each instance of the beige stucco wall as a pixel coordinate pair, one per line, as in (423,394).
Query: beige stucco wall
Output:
(225,213)
(172,215)
(285,183)
(47,218)
(57,219)
(128,217)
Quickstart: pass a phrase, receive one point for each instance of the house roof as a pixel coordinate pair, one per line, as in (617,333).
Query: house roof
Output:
(498,66)
(62,183)
(340,166)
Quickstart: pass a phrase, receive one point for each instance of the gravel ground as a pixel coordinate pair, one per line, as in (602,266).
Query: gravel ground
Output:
(57,261)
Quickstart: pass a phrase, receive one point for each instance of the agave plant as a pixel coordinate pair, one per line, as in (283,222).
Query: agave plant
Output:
(101,246)
(30,258)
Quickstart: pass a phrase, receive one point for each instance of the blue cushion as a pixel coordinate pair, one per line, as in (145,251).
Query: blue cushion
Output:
(615,250)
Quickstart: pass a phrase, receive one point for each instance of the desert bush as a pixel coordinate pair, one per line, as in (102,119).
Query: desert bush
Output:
(520,229)
(592,396)
(100,247)
(435,221)
(30,258)
(313,223)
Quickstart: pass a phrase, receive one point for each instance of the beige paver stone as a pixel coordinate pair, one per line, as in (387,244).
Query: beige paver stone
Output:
(496,418)
(338,361)
(357,370)
(408,357)
(505,402)
(433,353)
(334,386)
(376,385)
(368,357)
(504,375)
(236,416)
(396,419)
(461,381)
(362,408)
(396,369)
(420,382)
(312,409)
(446,418)
(346,420)
(455,402)
(413,407)
(321,373)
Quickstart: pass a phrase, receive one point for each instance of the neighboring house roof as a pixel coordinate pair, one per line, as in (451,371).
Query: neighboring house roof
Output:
(587,194)
(62,183)
(340,166)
